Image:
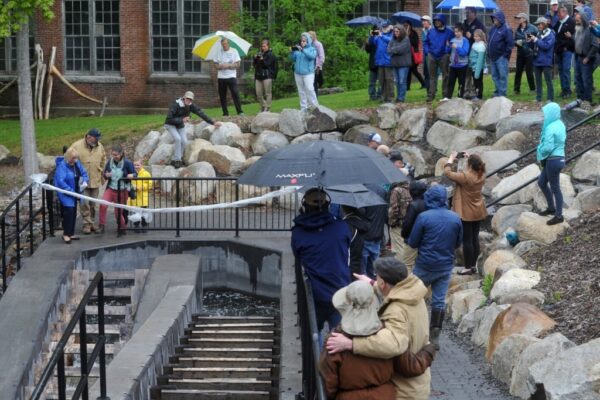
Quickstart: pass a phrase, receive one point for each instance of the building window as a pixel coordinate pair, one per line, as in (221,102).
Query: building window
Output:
(539,8)
(8,53)
(452,16)
(93,43)
(176,25)
(381,9)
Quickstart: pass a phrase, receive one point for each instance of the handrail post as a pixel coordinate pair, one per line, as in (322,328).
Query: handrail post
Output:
(18,233)
(43,214)
(3,233)
(101,334)
(83,353)
(62,383)
(30,192)
(177,204)
(237,211)
(50,205)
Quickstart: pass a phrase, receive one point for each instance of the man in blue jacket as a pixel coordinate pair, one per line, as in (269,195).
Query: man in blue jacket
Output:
(436,46)
(322,244)
(436,234)
(499,48)
(383,62)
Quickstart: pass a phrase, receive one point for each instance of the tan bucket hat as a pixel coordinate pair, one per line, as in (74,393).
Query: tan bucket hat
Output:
(358,305)
(189,95)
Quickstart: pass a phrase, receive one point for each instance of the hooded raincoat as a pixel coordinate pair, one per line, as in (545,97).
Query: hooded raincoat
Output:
(304,60)
(66,177)
(437,39)
(501,39)
(554,134)
(544,48)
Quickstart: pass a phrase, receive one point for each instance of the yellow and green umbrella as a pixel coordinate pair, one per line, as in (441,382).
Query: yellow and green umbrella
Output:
(208,46)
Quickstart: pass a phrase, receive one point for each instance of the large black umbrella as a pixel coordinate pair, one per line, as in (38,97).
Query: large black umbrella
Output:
(321,163)
(365,20)
(356,195)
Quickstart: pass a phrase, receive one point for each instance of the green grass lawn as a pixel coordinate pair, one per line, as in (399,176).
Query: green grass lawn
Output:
(53,134)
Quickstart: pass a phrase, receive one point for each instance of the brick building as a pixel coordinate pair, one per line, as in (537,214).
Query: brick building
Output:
(138,52)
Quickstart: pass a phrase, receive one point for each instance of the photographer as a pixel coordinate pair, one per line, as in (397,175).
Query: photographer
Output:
(265,71)
(543,55)
(468,204)
(303,55)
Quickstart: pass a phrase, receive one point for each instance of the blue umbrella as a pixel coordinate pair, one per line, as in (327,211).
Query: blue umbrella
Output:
(365,20)
(407,16)
(461,4)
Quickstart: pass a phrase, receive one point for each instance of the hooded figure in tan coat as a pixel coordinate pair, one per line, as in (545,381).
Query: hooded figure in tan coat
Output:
(406,326)
(469,204)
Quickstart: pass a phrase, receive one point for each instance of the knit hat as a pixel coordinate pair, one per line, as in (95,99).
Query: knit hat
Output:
(375,137)
(95,133)
(358,305)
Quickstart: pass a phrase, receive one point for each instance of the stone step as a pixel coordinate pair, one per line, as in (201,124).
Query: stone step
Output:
(224,362)
(220,384)
(224,352)
(229,343)
(159,393)
(200,317)
(109,310)
(217,372)
(230,334)
(117,275)
(269,326)
(109,329)
(110,348)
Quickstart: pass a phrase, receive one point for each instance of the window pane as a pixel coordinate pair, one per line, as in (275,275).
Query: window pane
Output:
(382,9)
(193,29)
(164,35)
(77,31)
(108,45)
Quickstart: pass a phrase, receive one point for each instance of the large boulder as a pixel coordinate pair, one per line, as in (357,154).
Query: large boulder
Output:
(46,163)
(190,155)
(417,157)
(456,111)
(320,119)
(440,164)
(492,111)
(201,131)
(411,125)
(311,137)
(194,194)
(567,189)
(588,200)
(499,258)
(147,145)
(497,158)
(587,168)
(446,138)
(166,138)
(162,155)
(226,160)
(550,345)
(510,183)
(346,119)
(529,123)
(470,321)
(165,171)
(571,374)
(481,331)
(222,135)
(507,353)
(4,152)
(511,141)
(528,296)
(226,192)
(388,116)
(519,318)
(463,302)
(506,217)
(291,122)
(248,163)
(531,226)
(265,121)
(515,280)
(526,246)
(267,141)
(359,134)
(242,141)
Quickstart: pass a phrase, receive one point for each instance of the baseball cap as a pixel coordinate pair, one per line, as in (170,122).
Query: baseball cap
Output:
(396,156)
(541,20)
(375,137)
(552,2)
(426,18)
(189,95)
(522,15)
(316,197)
(95,133)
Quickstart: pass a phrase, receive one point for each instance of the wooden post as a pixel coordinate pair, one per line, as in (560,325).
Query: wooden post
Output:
(56,72)
(38,76)
(40,93)
(9,84)
(49,83)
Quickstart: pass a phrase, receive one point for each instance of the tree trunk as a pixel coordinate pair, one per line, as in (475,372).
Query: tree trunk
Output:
(30,161)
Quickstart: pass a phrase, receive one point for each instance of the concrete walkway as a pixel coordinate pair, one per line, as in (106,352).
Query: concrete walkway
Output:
(457,374)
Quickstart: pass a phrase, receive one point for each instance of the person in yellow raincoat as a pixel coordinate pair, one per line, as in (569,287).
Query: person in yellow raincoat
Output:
(142,188)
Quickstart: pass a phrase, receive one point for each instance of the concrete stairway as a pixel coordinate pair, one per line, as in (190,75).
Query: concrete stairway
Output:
(223,358)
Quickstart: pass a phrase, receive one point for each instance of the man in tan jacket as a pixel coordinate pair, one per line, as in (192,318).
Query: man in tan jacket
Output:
(93,157)
(404,315)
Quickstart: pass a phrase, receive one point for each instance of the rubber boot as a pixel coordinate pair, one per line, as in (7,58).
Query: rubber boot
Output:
(435,327)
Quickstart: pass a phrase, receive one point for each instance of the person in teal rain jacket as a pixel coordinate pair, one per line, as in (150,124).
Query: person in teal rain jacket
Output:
(303,55)
(551,154)
(477,62)
(458,47)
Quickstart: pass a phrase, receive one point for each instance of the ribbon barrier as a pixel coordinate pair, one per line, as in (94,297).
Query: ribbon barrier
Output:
(39,180)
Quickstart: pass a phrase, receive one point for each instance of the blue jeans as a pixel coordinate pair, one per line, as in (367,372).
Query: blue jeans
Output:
(564,61)
(425,71)
(370,254)
(439,281)
(374,91)
(583,78)
(539,85)
(551,173)
(500,76)
(326,312)
(400,77)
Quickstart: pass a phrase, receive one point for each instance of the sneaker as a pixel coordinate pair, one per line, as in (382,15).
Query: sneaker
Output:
(241,114)
(555,220)
(176,164)
(546,212)
(87,229)
(444,99)
(100,230)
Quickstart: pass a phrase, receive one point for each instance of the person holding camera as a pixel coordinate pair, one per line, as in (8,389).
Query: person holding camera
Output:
(468,203)
(543,55)
(380,39)
(265,71)
(303,55)
(524,52)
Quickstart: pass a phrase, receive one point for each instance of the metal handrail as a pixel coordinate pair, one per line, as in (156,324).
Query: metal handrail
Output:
(312,383)
(58,357)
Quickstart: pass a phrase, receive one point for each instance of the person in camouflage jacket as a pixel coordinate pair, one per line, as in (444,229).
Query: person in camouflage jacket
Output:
(399,200)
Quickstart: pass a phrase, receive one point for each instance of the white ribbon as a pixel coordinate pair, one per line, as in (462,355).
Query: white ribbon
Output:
(39,180)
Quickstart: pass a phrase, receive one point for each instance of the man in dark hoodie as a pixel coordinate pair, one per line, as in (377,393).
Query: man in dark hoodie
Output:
(377,218)
(437,233)
(417,189)
(322,243)
(374,91)
(358,227)
(437,48)
(586,49)
(564,48)
(500,46)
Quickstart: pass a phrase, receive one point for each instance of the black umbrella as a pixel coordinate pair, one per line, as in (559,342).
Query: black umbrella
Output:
(365,20)
(321,163)
(357,195)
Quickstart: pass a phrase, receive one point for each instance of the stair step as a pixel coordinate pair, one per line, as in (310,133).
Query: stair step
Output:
(109,329)
(198,317)
(117,276)
(191,394)
(109,310)
(229,334)
(224,362)
(221,384)
(109,348)
(227,352)
(117,292)
(76,371)
(233,326)
(219,372)
(235,342)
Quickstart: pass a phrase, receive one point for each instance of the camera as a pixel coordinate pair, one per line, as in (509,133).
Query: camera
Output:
(529,36)
(296,47)
(461,154)
(375,32)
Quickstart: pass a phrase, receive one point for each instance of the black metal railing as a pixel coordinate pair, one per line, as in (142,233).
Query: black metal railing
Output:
(19,218)
(57,360)
(312,383)
(271,215)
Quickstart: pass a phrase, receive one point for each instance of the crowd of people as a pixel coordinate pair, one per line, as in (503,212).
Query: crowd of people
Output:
(463,53)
